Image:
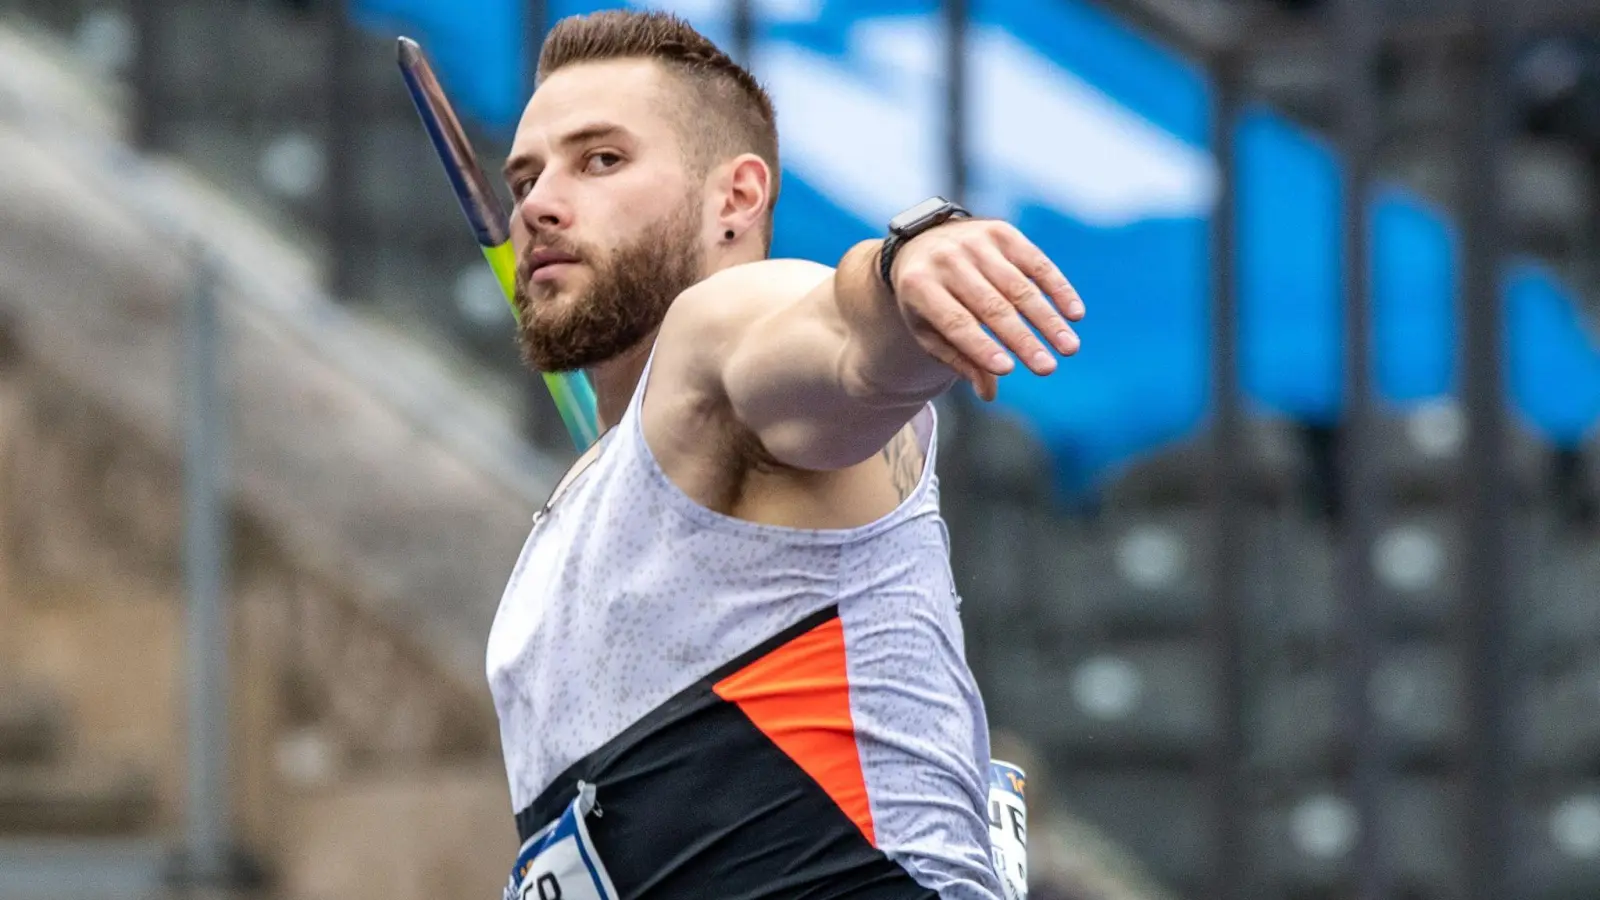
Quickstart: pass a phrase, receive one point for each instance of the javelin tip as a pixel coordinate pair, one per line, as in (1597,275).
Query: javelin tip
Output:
(409,51)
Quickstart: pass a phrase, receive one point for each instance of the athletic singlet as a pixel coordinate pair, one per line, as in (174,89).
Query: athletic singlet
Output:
(754,711)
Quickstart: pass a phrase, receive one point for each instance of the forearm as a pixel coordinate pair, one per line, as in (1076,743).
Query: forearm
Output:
(881,363)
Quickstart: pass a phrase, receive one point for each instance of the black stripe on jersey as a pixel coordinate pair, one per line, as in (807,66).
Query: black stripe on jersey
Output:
(826,614)
(696,802)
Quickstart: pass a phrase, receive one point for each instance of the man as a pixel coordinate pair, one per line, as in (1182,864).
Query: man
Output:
(729,662)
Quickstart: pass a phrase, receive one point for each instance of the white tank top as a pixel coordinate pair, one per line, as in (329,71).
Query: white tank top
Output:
(641,635)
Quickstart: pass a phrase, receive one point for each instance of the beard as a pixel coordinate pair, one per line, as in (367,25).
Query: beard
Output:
(627,296)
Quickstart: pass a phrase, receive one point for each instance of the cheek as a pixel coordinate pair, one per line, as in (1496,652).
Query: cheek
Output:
(649,195)
(519,234)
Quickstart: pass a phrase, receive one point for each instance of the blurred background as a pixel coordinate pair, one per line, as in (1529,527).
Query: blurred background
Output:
(1288,586)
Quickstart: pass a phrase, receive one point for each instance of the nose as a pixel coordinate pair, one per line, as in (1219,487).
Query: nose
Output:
(543,208)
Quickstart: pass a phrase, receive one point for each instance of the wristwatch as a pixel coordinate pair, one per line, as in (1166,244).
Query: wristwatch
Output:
(930,213)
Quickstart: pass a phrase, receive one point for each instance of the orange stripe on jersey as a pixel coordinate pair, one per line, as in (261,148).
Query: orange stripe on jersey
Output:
(799,696)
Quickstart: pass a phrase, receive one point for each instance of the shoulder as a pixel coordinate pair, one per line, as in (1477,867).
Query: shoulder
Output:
(703,326)
(705,319)
(769,279)
(738,294)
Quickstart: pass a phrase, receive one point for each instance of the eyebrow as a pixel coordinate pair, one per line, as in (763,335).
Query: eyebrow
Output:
(586,134)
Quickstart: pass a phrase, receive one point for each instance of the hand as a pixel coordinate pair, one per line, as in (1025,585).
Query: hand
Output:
(952,281)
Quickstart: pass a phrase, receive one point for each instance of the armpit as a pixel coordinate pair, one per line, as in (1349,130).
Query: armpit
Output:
(904,456)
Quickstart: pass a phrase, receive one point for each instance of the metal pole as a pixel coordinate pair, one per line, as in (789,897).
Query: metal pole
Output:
(1358,25)
(1223,628)
(955,60)
(146,73)
(1486,581)
(344,121)
(744,31)
(955,160)
(205,561)
(536,26)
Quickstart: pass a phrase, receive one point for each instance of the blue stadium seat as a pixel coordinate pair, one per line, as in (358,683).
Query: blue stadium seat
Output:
(1162,818)
(1072,594)
(1294,724)
(1152,571)
(1557,833)
(1419,698)
(1418,701)
(1291,587)
(1416,571)
(1418,457)
(1271,460)
(1306,838)
(1560,719)
(1004,458)
(1005,558)
(1152,701)
(1558,617)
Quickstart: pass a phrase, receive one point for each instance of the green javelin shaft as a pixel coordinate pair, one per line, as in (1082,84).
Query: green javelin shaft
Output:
(571,391)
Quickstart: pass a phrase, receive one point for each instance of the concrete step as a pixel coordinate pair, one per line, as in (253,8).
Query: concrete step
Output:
(80,800)
(31,726)
(106,869)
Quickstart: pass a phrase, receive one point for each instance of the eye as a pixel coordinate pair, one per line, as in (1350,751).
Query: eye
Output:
(599,161)
(522,186)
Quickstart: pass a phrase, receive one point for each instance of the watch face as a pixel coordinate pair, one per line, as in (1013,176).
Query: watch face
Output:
(918,214)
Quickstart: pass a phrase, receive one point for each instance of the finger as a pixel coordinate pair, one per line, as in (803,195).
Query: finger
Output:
(986,301)
(985,384)
(1028,300)
(1037,266)
(946,315)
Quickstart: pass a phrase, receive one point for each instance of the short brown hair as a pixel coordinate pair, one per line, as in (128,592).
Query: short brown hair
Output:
(726,112)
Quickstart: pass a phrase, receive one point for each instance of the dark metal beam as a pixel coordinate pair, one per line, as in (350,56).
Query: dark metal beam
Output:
(955,56)
(1224,627)
(1486,576)
(1360,496)
(536,23)
(146,75)
(1205,28)
(1522,15)
(744,31)
(1200,28)
(345,119)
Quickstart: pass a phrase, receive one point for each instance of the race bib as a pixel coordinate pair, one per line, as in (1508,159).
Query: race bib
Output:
(1008,827)
(560,862)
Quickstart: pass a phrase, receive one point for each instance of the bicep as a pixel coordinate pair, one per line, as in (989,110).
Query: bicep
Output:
(766,340)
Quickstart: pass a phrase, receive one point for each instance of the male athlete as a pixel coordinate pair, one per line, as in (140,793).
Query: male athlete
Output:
(729,660)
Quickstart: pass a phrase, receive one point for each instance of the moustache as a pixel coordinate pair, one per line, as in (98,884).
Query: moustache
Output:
(540,252)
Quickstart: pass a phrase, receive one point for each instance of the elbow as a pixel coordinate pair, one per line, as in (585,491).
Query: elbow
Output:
(863,380)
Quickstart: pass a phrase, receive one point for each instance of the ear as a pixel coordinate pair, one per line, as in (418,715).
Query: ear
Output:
(746,188)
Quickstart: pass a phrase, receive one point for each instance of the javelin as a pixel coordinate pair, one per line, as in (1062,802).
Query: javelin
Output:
(571,391)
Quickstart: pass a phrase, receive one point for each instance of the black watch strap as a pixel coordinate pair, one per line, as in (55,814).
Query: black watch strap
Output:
(928,214)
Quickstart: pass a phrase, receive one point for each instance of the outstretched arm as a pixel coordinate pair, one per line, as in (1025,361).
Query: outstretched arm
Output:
(824,366)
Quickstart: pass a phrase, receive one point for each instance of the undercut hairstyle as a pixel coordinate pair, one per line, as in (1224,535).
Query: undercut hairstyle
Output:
(724,111)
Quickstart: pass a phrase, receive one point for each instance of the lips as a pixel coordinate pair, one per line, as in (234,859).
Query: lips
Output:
(538,259)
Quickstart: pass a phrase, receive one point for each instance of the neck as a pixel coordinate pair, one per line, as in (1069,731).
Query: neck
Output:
(615,380)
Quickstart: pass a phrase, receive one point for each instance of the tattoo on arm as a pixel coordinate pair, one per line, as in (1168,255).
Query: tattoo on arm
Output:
(905,463)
